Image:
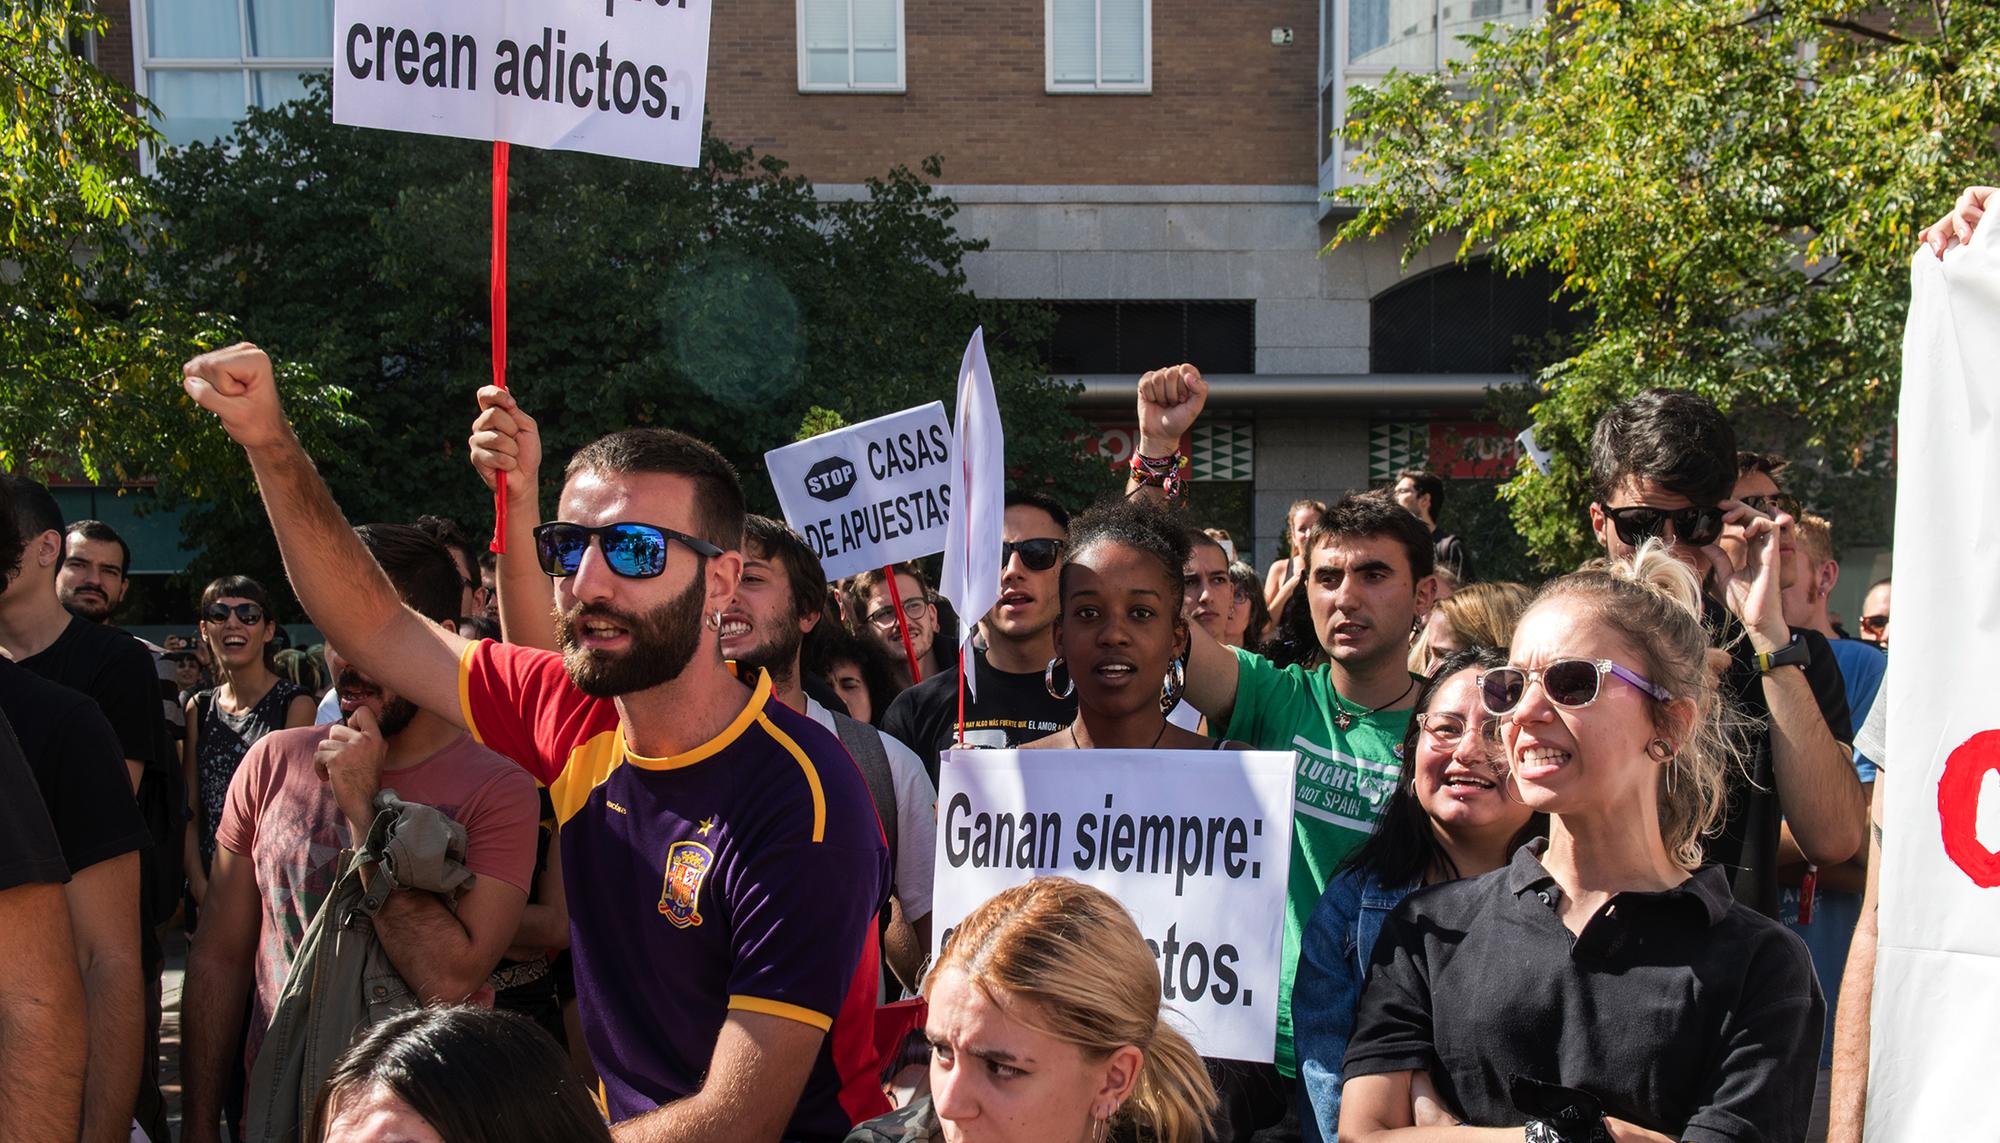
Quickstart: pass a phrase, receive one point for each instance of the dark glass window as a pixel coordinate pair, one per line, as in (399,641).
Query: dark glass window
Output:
(1132,337)
(1468,319)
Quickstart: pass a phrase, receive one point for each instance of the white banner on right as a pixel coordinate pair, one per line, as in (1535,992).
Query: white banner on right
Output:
(1936,1013)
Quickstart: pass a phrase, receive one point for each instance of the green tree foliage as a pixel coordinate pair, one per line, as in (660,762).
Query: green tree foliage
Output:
(1733,189)
(90,356)
(728,301)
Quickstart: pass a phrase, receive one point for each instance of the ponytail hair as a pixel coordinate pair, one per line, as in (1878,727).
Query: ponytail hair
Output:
(1654,602)
(1075,957)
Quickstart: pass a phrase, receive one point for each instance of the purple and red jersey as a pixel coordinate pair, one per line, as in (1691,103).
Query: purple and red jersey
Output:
(745,874)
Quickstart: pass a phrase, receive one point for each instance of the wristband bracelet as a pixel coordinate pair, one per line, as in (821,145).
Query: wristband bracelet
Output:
(1169,472)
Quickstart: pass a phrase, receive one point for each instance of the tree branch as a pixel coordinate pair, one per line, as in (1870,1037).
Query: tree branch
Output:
(1863,30)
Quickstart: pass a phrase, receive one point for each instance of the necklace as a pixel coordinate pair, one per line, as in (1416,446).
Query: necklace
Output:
(1155,742)
(1343,719)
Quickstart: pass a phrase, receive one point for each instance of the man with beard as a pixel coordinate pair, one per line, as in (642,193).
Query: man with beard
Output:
(92,581)
(1368,576)
(722,862)
(779,602)
(301,796)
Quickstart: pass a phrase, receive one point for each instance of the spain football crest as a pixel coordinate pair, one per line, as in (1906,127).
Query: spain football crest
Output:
(680,896)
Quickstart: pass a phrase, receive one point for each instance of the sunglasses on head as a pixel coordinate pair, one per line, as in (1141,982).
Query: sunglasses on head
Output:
(249,613)
(1569,683)
(1637,524)
(1036,555)
(634,551)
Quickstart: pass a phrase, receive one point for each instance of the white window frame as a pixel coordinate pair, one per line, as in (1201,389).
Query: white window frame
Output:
(851,88)
(1099,87)
(144,65)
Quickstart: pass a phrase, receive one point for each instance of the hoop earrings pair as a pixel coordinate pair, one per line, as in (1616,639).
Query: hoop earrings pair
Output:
(1171,687)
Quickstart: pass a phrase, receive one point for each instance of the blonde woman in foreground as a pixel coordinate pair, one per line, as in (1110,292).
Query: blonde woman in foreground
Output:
(1600,986)
(1046,1027)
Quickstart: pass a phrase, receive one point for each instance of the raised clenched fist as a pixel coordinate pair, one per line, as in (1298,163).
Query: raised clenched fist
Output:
(1169,401)
(237,385)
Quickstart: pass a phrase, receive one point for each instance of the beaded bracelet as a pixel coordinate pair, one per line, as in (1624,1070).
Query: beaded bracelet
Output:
(1169,472)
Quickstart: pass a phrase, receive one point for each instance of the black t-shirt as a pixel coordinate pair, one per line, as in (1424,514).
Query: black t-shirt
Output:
(1747,847)
(1010,709)
(77,767)
(1684,1012)
(116,670)
(29,852)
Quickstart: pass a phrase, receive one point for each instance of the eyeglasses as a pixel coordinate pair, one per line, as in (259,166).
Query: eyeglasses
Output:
(1773,504)
(1874,622)
(1637,524)
(1036,555)
(635,551)
(1571,683)
(913,608)
(1448,729)
(249,613)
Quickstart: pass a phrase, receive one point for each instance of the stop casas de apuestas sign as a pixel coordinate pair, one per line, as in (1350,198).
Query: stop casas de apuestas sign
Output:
(871,494)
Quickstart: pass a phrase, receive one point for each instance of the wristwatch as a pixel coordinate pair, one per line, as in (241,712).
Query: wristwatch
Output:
(1792,654)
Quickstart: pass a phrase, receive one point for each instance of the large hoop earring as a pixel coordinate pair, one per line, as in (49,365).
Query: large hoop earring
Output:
(1049,680)
(1172,686)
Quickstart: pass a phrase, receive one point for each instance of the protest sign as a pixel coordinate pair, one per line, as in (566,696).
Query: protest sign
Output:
(871,494)
(1938,948)
(1195,843)
(612,77)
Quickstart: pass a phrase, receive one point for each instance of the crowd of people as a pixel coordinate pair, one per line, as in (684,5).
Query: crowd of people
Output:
(627,832)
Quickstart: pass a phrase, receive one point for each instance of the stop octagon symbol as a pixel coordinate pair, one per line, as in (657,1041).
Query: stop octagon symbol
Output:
(1958,807)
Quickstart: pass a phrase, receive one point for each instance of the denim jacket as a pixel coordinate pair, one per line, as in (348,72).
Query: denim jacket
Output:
(1333,961)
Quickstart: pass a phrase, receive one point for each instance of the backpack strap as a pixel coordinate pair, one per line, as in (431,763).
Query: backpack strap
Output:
(864,743)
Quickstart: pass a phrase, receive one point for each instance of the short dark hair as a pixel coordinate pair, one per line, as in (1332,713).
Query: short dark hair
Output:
(1768,463)
(774,540)
(830,643)
(476,1075)
(453,537)
(1199,538)
(718,494)
(1021,498)
(1139,524)
(243,587)
(35,511)
(1671,436)
(100,532)
(1428,483)
(11,542)
(419,567)
(1362,515)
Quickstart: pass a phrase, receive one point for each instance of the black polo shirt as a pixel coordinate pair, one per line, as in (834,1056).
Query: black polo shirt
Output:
(1685,1012)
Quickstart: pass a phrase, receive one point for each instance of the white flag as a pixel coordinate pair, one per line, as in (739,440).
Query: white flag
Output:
(971,578)
(1937,968)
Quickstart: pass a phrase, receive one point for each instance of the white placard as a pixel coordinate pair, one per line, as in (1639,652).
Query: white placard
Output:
(612,77)
(1196,843)
(1937,964)
(871,494)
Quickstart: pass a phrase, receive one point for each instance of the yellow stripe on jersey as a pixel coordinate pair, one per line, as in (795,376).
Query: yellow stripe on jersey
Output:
(780,1008)
(465,689)
(805,764)
(594,760)
(751,712)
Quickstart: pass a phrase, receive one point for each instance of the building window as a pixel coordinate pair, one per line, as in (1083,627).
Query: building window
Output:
(1131,337)
(203,62)
(1470,319)
(1362,41)
(1100,46)
(851,45)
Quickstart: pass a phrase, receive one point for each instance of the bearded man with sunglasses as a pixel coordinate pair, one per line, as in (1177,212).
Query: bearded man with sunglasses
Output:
(1664,464)
(721,856)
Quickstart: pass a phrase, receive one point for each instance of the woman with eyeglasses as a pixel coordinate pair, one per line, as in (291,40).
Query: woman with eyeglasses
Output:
(248,701)
(1449,817)
(1602,985)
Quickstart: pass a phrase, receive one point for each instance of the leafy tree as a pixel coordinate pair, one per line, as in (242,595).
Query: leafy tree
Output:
(727,301)
(1732,190)
(90,356)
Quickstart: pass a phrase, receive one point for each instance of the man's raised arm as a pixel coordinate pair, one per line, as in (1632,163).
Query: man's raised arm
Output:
(340,584)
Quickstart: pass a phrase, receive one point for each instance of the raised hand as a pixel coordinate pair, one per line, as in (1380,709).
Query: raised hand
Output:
(505,439)
(1959,223)
(1169,401)
(1750,581)
(237,385)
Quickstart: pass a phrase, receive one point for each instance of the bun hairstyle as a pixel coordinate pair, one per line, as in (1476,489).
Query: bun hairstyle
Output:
(1654,602)
(1072,962)
(1139,524)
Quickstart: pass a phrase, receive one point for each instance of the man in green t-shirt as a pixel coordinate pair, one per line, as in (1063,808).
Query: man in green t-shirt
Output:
(1368,581)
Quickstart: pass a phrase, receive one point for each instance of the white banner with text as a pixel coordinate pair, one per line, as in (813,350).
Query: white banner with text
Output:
(612,77)
(871,494)
(1195,843)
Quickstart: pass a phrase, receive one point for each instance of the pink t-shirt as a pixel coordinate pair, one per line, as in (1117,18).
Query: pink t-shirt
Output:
(281,816)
